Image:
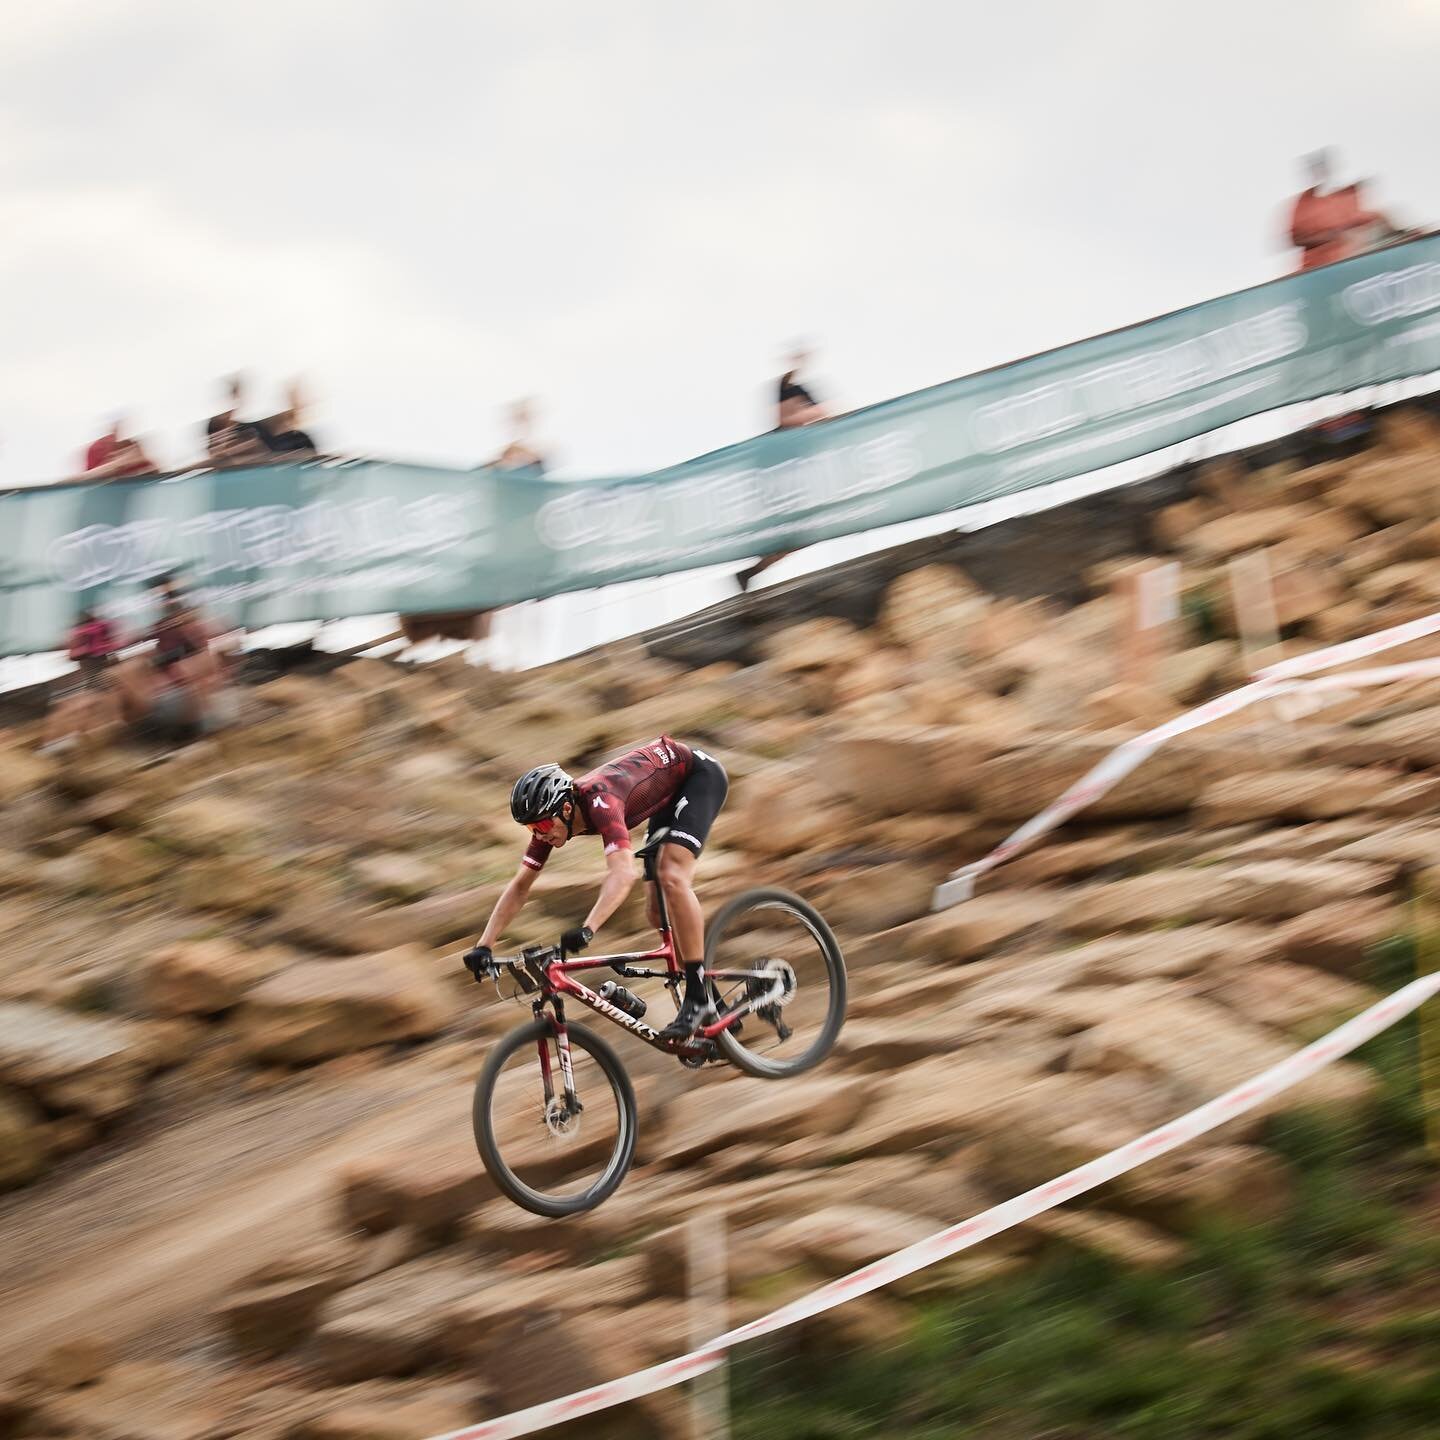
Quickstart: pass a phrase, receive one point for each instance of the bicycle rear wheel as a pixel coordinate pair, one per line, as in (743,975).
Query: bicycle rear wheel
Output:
(754,938)
(546,1157)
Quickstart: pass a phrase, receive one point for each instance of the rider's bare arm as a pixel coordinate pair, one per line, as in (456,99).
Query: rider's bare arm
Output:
(619,877)
(508,906)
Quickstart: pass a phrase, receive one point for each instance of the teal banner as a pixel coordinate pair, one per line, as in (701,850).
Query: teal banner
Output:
(327,540)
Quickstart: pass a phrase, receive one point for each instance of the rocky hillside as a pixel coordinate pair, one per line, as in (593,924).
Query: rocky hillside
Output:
(236,1045)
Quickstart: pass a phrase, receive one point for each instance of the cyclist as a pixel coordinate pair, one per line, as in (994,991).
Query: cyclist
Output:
(668,783)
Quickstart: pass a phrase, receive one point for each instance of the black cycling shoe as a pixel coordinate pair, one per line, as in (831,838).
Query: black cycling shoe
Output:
(694,1012)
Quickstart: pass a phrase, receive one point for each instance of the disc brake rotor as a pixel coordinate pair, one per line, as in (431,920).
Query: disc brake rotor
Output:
(560,1119)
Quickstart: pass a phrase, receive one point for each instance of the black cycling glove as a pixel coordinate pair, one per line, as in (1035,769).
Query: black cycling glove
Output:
(480,962)
(572,942)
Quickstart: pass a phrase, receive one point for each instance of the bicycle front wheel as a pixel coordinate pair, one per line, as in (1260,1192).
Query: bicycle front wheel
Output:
(547,1154)
(761,940)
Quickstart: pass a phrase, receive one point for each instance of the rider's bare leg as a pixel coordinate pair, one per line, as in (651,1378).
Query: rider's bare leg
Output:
(675,870)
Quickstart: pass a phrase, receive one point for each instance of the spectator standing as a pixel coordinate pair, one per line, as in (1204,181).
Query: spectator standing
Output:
(520,452)
(184,659)
(795,404)
(117,453)
(1329,224)
(282,433)
(229,438)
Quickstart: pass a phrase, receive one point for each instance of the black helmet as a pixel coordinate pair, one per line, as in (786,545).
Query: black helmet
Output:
(540,793)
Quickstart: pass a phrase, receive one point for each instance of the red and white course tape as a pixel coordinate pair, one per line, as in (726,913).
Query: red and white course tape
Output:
(1276,680)
(945,1243)
(1358,649)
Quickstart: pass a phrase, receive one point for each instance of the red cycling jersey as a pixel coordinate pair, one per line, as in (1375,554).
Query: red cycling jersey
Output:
(624,793)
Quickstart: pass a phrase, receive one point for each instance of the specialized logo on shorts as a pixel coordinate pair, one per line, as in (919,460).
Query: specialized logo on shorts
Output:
(682,835)
(680,804)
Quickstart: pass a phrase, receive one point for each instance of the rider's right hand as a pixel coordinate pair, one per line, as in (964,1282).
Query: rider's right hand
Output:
(480,962)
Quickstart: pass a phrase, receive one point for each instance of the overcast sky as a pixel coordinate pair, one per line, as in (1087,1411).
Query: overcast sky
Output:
(628,209)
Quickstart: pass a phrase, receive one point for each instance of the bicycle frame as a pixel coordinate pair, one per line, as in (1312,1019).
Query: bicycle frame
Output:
(554,977)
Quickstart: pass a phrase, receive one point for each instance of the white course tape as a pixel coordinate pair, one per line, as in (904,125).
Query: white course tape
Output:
(1104,776)
(1378,675)
(1097,781)
(1358,649)
(945,1243)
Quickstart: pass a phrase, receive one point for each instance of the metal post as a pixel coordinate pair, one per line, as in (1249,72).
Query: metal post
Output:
(709,1305)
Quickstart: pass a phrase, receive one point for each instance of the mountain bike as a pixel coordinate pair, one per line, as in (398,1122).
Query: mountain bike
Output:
(555,1114)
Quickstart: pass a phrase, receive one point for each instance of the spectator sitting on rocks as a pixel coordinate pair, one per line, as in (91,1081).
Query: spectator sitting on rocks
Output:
(231,440)
(519,452)
(795,405)
(117,453)
(183,653)
(158,705)
(90,703)
(282,433)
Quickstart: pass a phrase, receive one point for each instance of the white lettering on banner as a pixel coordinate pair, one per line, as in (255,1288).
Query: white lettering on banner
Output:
(394,575)
(263,536)
(1138,380)
(1038,461)
(265,533)
(673,513)
(1398,295)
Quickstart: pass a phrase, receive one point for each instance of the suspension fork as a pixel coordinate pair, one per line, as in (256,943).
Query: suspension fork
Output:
(561,1032)
(542,1045)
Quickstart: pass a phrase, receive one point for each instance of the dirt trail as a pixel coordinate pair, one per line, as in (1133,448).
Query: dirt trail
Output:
(145,1241)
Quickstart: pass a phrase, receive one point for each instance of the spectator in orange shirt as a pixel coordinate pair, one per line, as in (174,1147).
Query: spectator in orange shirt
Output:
(1328,225)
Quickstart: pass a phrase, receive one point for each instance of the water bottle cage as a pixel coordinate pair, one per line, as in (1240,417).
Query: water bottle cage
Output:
(622,999)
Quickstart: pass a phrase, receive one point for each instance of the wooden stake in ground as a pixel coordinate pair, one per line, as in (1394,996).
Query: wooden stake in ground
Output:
(1149,594)
(709,1305)
(1256,621)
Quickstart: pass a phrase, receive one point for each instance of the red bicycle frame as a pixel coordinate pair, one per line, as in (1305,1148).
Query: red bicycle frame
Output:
(554,977)
(545,968)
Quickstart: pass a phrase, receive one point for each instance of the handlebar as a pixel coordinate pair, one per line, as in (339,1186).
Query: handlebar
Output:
(527,967)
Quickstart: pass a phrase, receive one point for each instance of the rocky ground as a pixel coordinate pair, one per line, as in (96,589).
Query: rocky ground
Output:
(236,1045)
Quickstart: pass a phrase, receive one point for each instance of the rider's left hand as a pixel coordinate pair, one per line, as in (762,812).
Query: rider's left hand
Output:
(572,942)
